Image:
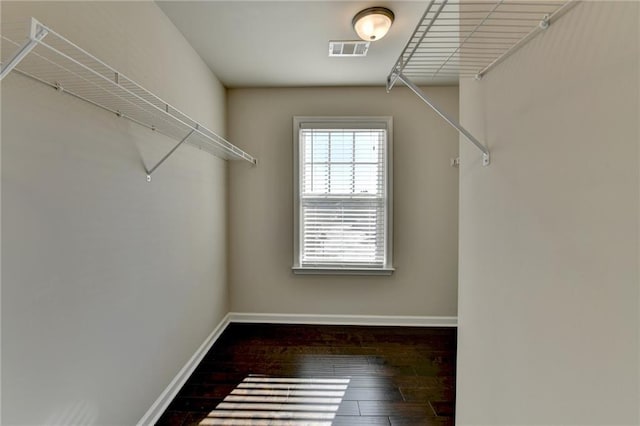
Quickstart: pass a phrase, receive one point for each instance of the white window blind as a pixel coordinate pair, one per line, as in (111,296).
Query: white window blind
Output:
(343,195)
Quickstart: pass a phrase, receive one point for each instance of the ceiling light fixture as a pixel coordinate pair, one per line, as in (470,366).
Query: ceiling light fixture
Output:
(373,23)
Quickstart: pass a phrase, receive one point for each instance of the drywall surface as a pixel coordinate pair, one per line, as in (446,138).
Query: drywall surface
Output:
(425,191)
(109,283)
(548,296)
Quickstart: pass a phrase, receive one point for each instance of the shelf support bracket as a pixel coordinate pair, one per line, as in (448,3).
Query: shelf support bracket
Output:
(486,156)
(167,155)
(37,33)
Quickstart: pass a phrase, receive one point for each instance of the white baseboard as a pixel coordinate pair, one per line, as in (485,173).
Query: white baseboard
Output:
(160,405)
(396,321)
(165,398)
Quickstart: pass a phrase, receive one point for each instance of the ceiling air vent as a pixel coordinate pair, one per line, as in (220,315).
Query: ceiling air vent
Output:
(348,48)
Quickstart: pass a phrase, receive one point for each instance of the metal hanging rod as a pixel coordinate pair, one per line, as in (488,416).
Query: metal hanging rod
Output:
(51,59)
(457,38)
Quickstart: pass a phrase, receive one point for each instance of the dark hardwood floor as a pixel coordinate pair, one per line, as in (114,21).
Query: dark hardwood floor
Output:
(274,374)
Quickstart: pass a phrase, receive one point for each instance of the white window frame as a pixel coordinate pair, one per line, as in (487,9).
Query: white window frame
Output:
(347,122)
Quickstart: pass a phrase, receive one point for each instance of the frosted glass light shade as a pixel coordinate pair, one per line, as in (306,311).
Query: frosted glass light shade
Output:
(373,23)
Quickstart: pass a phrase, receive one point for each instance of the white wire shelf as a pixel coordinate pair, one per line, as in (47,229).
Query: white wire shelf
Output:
(40,53)
(458,38)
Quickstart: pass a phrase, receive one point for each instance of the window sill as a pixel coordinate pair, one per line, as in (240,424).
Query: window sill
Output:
(298,270)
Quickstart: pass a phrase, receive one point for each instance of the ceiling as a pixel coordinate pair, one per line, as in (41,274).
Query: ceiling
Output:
(285,43)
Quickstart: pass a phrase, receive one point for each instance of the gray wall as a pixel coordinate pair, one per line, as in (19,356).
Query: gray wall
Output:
(109,283)
(425,191)
(548,296)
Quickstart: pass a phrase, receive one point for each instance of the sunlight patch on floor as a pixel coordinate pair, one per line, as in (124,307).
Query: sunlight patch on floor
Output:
(280,401)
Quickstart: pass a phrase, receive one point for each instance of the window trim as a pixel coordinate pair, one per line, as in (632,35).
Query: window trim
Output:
(356,121)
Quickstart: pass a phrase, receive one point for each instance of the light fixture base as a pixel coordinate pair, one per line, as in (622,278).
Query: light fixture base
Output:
(373,23)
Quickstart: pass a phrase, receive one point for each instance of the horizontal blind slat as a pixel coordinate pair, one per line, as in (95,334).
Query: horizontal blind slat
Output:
(348,163)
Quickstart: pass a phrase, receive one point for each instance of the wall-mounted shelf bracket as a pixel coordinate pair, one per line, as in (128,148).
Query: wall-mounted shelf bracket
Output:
(486,156)
(167,155)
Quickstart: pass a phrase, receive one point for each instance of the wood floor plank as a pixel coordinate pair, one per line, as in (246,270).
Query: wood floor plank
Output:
(361,420)
(383,393)
(421,421)
(172,418)
(424,394)
(348,408)
(293,373)
(395,408)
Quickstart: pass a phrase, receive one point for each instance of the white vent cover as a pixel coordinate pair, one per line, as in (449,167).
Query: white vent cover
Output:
(348,48)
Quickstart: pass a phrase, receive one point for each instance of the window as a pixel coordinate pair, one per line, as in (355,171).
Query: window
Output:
(342,195)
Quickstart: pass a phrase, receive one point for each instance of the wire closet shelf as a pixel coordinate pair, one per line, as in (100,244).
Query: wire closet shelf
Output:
(467,38)
(462,38)
(50,58)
